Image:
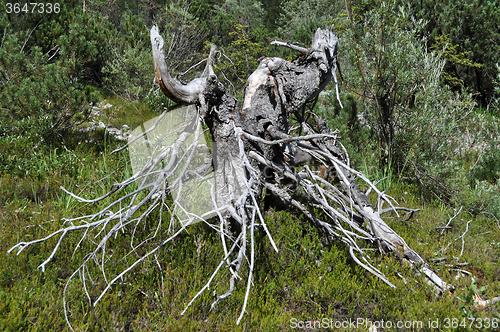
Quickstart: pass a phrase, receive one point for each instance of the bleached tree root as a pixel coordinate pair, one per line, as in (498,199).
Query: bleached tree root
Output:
(258,147)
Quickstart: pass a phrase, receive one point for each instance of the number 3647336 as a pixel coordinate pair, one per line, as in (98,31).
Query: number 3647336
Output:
(32,7)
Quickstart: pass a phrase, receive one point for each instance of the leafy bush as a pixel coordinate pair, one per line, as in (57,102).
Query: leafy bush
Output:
(49,69)
(300,19)
(471,25)
(48,65)
(33,86)
(129,71)
(244,12)
(416,121)
(454,58)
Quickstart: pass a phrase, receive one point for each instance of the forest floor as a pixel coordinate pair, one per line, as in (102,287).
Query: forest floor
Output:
(311,284)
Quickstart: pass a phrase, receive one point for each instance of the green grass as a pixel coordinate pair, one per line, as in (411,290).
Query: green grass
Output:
(310,279)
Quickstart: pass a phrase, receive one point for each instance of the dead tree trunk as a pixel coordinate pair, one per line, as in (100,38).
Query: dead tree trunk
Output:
(276,92)
(262,144)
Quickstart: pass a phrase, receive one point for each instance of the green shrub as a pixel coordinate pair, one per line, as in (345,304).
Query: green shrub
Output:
(128,71)
(471,28)
(39,88)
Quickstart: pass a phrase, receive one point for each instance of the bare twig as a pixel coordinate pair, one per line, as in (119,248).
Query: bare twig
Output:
(463,237)
(447,226)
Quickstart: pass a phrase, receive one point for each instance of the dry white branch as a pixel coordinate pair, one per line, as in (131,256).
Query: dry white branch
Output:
(463,237)
(451,219)
(480,303)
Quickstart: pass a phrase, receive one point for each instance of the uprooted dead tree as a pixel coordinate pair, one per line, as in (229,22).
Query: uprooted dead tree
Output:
(265,147)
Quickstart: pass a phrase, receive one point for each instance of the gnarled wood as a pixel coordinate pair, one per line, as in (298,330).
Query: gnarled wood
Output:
(254,149)
(171,87)
(276,91)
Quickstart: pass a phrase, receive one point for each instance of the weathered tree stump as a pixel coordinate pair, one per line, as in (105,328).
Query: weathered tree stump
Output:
(266,143)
